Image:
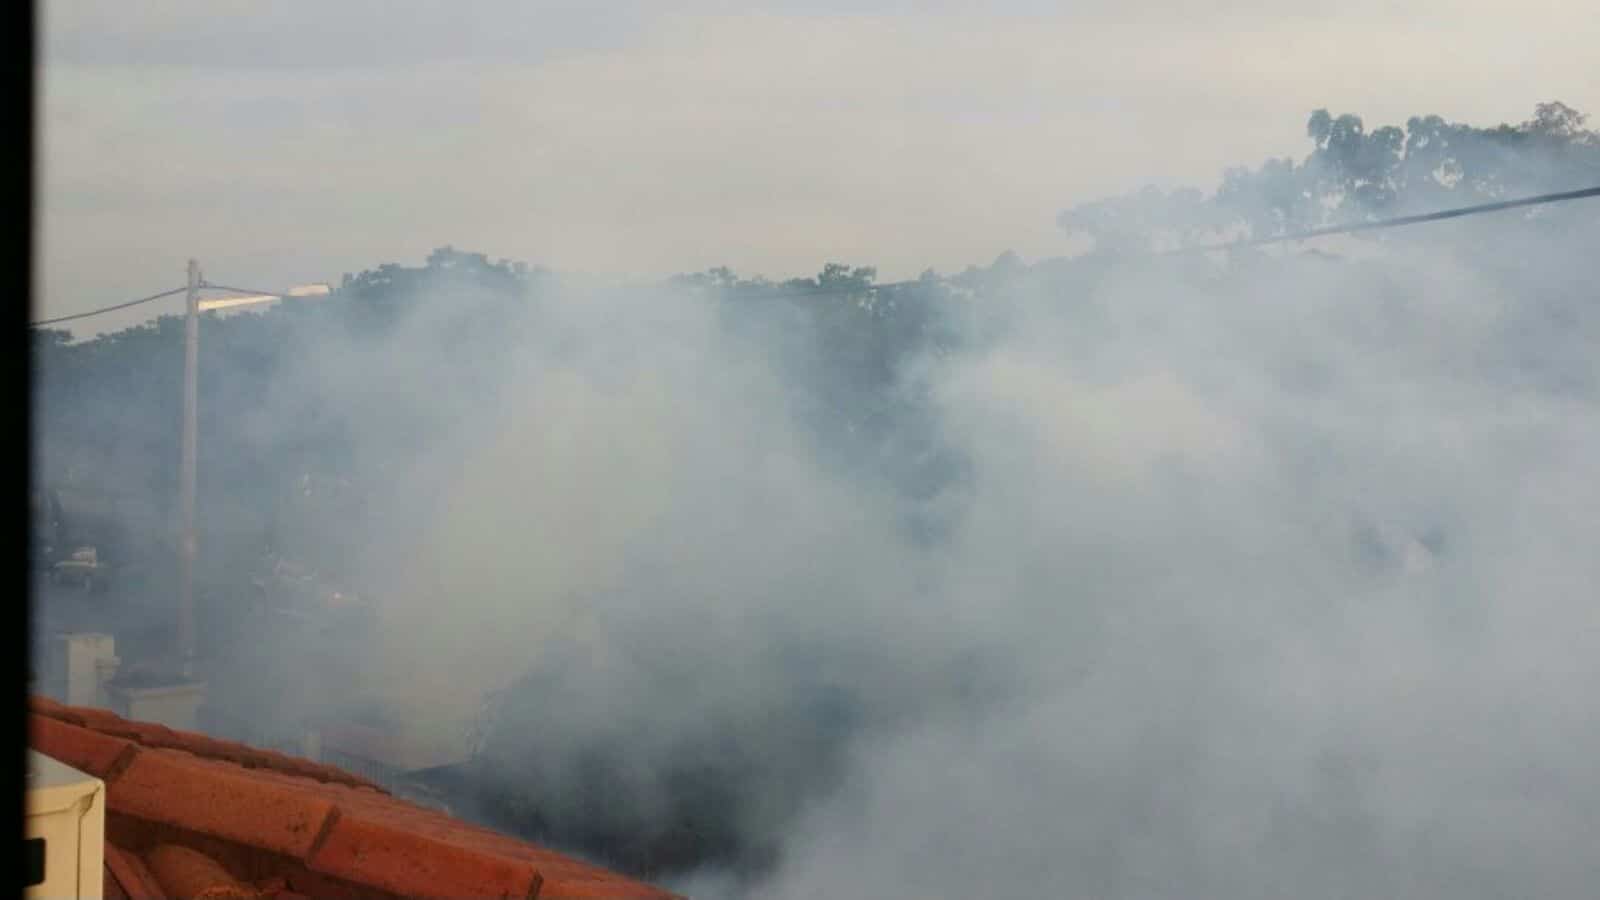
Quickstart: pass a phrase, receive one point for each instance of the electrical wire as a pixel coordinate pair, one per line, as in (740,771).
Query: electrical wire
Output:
(106,309)
(1308,234)
(820,291)
(1393,223)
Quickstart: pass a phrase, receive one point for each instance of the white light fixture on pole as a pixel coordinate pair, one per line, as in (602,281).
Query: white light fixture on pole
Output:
(302,290)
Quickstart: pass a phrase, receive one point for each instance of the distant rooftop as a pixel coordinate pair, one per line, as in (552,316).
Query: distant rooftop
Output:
(192,815)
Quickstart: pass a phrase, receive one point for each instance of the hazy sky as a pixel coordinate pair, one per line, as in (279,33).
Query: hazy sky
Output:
(294,141)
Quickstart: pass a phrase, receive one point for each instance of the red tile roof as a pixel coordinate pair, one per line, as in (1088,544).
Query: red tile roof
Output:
(184,809)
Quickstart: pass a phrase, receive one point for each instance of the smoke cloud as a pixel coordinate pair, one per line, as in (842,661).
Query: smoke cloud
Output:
(1259,575)
(1291,558)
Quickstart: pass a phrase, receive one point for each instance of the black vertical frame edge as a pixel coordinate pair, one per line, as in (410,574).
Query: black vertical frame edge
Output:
(21,83)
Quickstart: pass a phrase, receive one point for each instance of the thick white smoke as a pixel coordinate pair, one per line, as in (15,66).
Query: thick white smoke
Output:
(1268,576)
(1298,555)
(1258,577)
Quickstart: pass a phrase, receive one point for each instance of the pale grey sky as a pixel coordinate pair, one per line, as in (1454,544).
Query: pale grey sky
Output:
(295,141)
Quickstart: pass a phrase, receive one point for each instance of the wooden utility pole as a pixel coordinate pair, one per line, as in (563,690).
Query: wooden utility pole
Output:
(188,547)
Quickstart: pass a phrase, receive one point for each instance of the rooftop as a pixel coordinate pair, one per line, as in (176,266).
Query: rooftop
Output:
(190,815)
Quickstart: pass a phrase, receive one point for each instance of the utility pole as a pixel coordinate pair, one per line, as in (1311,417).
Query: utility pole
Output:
(188,547)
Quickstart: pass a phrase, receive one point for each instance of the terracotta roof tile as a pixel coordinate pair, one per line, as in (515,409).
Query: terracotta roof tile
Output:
(290,826)
(149,734)
(129,875)
(417,865)
(278,888)
(191,874)
(48,707)
(220,801)
(83,749)
(103,721)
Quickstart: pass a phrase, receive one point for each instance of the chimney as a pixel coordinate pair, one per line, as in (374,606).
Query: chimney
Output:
(82,663)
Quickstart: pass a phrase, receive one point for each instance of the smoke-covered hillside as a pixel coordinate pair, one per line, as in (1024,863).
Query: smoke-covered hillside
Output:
(1248,574)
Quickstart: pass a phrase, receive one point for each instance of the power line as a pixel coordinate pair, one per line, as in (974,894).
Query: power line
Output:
(1395,222)
(820,291)
(1308,234)
(106,309)
(96,312)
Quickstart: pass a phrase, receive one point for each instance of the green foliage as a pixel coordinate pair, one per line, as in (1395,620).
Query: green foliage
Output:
(1352,174)
(109,407)
(278,405)
(280,438)
(283,407)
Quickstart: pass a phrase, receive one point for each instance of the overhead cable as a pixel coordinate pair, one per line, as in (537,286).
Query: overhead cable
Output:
(820,291)
(1396,222)
(106,309)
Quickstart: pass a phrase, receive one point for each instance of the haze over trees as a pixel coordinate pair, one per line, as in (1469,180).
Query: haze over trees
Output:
(328,434)
(1352,174)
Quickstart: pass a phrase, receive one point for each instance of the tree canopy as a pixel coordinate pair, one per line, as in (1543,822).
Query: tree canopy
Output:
(1352,174)
(304,412)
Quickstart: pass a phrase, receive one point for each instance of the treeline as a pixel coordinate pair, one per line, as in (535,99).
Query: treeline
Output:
(286,408)
(1353,174)
(314,406)
(108,408)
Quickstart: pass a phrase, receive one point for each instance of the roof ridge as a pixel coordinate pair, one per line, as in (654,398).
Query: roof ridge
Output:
(160,737)
(320,836)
